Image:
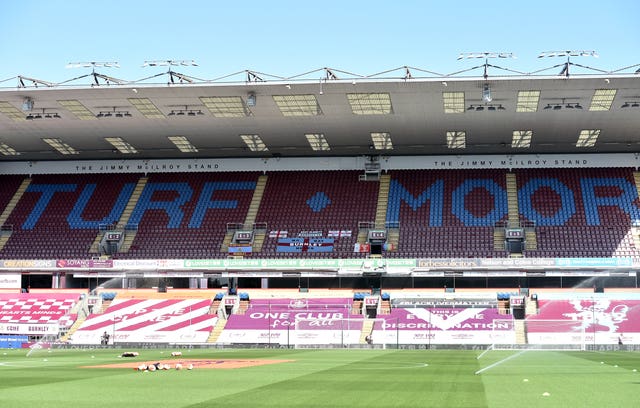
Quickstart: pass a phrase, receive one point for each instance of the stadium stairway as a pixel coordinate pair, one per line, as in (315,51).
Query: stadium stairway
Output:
(393,232)
(520,329)
(636,179)
(228,236)
(250,219)
(383,200)
(252,212)
(531,242)
(530,239)
(243,307)
(498,239)
(367,329)
(362,235)
(11,205)
(73,328)
(105,305)
(215,305)
(530,306)
(130,235)
(4,238)
(356,307)
(95,246)
(512,199)
(217,330)
(635,235)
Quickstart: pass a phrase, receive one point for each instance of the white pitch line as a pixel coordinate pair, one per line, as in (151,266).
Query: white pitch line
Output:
(484,352)
(497,363)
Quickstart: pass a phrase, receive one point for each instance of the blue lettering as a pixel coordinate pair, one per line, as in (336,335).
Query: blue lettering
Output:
(172,208)
(435,194)
(595,193)
(624,201)
(75,217)
(47,190)
(567,207)
(205,202)
(499,202)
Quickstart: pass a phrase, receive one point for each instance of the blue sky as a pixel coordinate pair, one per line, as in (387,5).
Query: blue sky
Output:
(285,38)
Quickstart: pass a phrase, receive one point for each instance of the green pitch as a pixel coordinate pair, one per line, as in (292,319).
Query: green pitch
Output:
(324,378)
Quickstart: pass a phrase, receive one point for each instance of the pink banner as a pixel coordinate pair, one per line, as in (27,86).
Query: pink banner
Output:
(446,319)
(84,263)
(588,315)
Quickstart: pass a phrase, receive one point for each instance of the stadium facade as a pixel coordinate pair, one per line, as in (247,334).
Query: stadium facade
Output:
(412,191)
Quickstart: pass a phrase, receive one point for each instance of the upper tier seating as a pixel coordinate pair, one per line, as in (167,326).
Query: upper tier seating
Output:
(445,213)
(317,201)
(187,214)
(440,213)
(58,215)
(9,186)
(580,212)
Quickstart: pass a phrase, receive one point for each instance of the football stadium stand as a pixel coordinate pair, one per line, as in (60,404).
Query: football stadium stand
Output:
(456,217)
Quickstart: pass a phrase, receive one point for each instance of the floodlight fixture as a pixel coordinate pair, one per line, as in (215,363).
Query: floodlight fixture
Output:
(468,55)
(164,63)
(568,54)
(96,76)
(43,115)
(115,112)
(187,111)
(173,76)
(489,107)
(486,65)
(93,64)
(563,105)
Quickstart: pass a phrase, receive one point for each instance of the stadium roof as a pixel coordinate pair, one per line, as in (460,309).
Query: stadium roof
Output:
(332,116)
